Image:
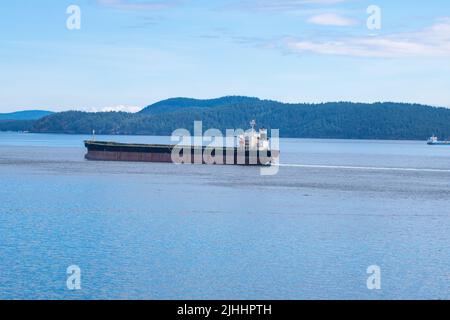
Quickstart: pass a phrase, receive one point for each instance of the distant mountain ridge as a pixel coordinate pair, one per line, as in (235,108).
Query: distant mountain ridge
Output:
(25,115)
(340,120)
(179,104)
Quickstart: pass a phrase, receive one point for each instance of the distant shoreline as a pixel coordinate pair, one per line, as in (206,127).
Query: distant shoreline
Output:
(166,136)
(333,120)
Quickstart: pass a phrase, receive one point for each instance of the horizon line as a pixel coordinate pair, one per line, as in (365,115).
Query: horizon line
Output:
(111,108)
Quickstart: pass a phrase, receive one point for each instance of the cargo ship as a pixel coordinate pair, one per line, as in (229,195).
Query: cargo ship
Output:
(434,141)
(253,149)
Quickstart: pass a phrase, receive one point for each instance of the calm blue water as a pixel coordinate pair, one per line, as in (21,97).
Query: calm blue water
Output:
(161,231)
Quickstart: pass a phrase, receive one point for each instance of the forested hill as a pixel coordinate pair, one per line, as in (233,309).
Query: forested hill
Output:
(329,120)
(24,115)
(179,104)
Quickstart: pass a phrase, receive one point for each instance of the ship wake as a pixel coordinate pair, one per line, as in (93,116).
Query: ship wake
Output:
(313,166)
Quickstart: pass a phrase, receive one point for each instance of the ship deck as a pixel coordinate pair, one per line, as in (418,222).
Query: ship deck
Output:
(91,143)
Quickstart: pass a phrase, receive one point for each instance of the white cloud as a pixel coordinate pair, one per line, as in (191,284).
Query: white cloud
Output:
(331,19)
(433,41)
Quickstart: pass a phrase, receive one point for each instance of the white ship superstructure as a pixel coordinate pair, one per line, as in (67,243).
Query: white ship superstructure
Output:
(254,140)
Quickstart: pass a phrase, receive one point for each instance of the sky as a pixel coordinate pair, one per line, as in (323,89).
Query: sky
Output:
(127,54)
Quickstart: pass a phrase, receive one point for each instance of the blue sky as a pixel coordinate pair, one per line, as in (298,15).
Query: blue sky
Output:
(131,53)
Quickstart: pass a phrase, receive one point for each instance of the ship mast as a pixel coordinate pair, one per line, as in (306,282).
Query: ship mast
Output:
(253,124)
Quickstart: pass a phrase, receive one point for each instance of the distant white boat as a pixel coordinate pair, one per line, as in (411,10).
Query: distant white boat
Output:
(434,141)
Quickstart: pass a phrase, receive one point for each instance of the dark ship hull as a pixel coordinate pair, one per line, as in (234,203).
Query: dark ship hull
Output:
(112,151)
